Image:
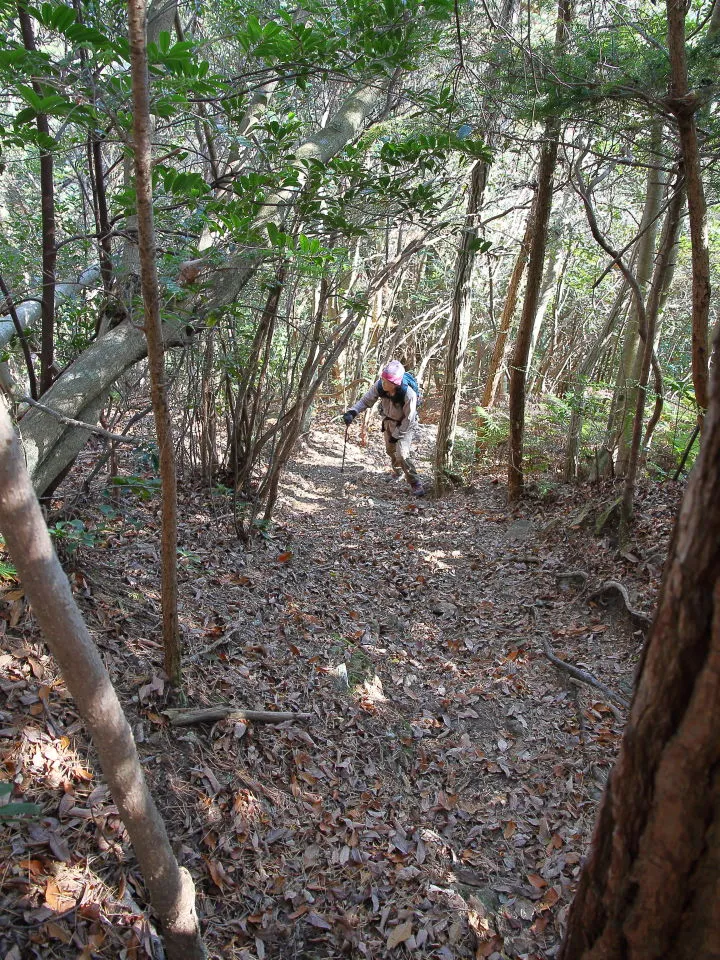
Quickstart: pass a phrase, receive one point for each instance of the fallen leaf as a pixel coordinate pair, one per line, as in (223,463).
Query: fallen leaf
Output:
(537,881)
(399,935)
(56,898)
(217,872)
(59,848)
(57,932)
(549,900)
(318,921)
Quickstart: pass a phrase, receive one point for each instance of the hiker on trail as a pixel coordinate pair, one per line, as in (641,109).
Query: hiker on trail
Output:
(399,403)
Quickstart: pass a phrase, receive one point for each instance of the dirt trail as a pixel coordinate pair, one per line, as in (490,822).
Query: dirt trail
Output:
(440,800)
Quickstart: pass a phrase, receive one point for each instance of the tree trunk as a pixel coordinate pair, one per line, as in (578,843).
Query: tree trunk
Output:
(548,286)
(52,446)
(154,334)
(648,889)
(647,332)
(536,262)
(495,369)
(578,389)
(645,250)
(662,278)
(171,889)
(683,104)
(518,370)
(460,313)
(47,210)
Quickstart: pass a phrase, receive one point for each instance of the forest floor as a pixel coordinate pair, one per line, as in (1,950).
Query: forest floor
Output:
(440,797)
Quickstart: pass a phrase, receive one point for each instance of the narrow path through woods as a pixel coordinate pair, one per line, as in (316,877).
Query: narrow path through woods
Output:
(440,798)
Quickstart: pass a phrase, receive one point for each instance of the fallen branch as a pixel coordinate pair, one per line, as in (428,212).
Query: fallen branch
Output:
(182,717)
(118,437)
(584,677)
(611,587)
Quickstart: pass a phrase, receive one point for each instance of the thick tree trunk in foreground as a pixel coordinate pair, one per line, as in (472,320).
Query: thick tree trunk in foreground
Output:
(649,888)
(154,334)
(170,888)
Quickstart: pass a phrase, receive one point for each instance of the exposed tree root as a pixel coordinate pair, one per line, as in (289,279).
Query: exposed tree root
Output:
(584,677)
(611,587)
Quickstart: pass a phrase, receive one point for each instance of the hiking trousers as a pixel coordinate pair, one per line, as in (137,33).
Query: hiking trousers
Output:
(399,453)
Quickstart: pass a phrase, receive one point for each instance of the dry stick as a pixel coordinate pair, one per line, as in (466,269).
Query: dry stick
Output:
(170,887)
(118,437)
(185,717)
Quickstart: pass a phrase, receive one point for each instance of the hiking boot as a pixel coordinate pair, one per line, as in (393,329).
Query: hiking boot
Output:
(418,490)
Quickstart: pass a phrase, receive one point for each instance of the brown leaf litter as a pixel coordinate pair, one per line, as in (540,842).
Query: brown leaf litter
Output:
(439,799)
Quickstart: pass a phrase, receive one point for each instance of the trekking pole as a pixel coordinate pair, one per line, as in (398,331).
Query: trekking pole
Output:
(342,468)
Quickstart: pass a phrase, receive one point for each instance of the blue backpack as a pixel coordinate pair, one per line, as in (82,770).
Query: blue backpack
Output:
(408,380)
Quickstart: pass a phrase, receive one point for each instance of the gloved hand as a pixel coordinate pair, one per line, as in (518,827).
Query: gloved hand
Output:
(349,416)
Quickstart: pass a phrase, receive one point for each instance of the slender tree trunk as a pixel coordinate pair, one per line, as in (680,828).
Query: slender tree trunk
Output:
(683,103)
(639,305)
(241,440)
(460,313)
(647,332)
(22,337)
(495,369)
(648,890)
(171,889)
(518,370)
(102,219)
(662,278)
(578,389)
(536,261)
(47,210)
(547,289)
(154,334)
(643,272)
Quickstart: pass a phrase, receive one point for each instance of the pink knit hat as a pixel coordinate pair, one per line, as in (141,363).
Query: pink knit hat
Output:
(394,372)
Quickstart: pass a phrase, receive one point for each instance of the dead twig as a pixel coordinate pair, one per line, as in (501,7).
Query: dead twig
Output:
(81,425)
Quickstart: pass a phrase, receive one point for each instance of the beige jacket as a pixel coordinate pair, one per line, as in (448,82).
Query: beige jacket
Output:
(400,416)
